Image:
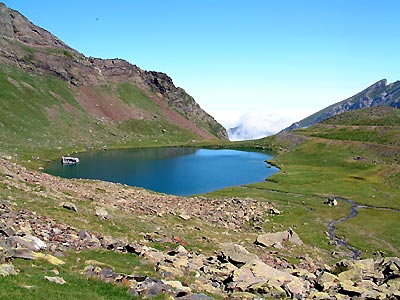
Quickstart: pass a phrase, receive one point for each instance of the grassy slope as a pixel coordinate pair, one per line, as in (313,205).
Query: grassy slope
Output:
(31,284)
(348,160)
(342,158)
(34,120)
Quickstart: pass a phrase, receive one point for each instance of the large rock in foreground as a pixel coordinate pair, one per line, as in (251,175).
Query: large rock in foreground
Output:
(276,239)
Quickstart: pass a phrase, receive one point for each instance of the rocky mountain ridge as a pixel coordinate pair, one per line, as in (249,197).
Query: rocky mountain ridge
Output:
(38,52)
(378,94)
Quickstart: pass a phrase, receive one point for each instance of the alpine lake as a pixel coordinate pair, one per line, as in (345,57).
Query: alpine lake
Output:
(182,171)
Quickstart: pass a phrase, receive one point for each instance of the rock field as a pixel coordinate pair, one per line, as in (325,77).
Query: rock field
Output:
(231,272)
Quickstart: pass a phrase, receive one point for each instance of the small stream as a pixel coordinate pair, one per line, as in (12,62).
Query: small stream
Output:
(356,253)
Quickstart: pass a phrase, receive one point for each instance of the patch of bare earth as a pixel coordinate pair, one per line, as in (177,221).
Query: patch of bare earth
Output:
(106,106)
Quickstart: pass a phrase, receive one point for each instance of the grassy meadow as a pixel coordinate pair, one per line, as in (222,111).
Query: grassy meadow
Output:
(353,156)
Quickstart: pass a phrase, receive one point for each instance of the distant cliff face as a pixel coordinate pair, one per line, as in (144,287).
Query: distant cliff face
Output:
(38,52)
(378,94)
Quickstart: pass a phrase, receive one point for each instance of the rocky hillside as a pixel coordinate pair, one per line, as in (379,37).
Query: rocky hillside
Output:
(33,62)
(378,94)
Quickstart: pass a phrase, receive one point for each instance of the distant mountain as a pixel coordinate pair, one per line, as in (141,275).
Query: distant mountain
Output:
(378,94)
(62,92)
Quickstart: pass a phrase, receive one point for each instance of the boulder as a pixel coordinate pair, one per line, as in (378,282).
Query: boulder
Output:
(151,287)
(185,217)
(151,254)
(7,231)
(196,297)
(297,288)
(276,239)
(256,272)
(7,269)
(327,280)
(69,206)
(102,213)
(177,285)
(236,254)
(274,211)
(319,295)
(170,271)
(20,253)
(349,288)
(28,241)
(56,279)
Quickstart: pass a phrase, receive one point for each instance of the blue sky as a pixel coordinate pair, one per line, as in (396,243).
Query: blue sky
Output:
(283,58)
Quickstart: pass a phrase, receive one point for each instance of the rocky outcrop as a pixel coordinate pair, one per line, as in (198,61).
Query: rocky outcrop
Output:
(183,103)
(378,94)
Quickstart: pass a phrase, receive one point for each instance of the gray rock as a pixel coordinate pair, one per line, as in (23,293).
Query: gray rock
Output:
(101,212)
(69,206)
(28,241)
(7,231)
(276,239)
(56,279)
(21,253)
(195,297)
(153,287)
(7,269)
(327,280)
(297,288)
(256,272)
(185,217)
(236,254)
(83,234)
(132,291)
(274,211)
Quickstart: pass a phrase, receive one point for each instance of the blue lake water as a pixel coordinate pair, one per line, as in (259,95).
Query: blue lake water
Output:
(171,170)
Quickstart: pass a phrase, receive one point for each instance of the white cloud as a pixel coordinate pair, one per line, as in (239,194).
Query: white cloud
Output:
(257,124)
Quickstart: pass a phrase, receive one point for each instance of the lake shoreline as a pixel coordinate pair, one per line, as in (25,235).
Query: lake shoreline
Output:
(183,171)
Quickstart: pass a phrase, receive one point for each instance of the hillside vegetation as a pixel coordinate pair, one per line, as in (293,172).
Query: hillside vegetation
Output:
(354,156)
(41,117)
(324,227)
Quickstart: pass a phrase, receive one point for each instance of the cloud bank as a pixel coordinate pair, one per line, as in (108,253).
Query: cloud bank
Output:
(255,125)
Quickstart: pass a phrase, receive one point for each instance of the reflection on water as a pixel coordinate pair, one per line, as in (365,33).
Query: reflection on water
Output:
(172,170)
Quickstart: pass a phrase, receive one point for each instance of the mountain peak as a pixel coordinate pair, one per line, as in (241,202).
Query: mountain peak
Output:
(14,25)
(377,94)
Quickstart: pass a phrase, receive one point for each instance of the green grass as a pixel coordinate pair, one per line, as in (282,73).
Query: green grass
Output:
(373,230)
(132,95)
(31,284)
(375,116)
(357,162)
(34,120)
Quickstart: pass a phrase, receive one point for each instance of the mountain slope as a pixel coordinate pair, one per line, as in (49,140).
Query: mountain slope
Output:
(52,94)
(378,94)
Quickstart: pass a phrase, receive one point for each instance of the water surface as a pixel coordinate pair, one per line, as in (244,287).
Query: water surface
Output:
(171,170)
